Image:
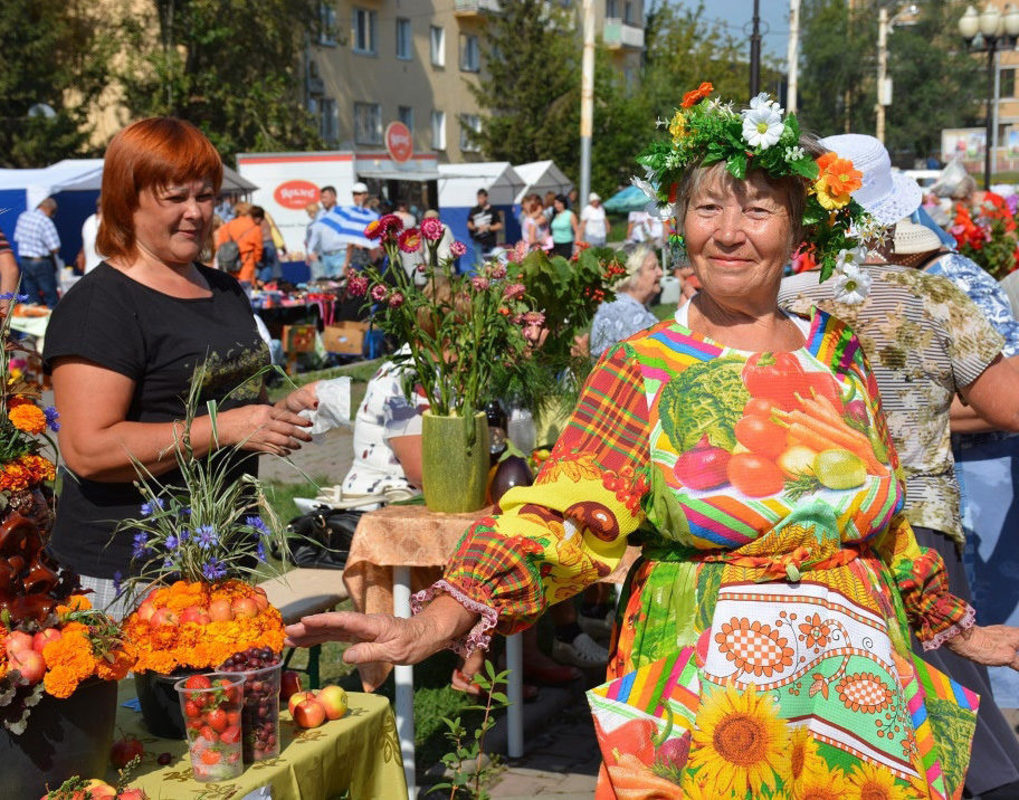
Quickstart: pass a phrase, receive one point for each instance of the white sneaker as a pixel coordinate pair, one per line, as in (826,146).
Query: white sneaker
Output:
(597,627)
(583,652)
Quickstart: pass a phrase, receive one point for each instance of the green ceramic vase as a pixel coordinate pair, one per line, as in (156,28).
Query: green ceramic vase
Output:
(454,462)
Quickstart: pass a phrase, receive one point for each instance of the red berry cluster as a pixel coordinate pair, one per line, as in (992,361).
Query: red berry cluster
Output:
(261,715)
(212,711)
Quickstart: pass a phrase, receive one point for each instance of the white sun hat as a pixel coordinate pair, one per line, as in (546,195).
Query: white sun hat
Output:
(888,196)
(911,238)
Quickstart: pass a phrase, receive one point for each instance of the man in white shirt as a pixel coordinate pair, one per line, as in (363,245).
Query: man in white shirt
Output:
(89,231)
(38,252)
(594,224)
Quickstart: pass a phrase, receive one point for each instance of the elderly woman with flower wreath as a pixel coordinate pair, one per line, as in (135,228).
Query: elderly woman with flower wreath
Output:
(765,629)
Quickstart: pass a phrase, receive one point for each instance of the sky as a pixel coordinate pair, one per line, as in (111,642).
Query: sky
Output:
(737,15)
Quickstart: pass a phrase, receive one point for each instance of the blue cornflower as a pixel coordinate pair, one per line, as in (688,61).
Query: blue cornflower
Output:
(20,298)
(141,548)
(168,563)
(148,509)
(213,570)
(257,524)
(172,542)
(118,577)
(260,550)
(183,535)
(52,415)
(206,537)
(186,511)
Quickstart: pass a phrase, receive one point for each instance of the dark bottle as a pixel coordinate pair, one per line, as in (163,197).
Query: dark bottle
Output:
(496,430)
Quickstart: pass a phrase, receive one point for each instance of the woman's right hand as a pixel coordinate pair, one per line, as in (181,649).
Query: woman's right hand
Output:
(992,645)
(263,428)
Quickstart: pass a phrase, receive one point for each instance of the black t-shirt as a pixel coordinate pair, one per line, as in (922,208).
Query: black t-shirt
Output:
(157,341)
(482,216)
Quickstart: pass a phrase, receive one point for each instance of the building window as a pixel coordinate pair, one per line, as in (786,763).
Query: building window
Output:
(437,40)
(438,130)
(1007,83)
(470,56)
(404,41)
(406,115)
(611,9)
(628,12)
(469,123)
(327,24)
(329,119)
(368,123)
(364,31)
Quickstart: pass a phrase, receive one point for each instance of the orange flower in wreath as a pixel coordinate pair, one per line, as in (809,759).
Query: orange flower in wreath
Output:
(692,98)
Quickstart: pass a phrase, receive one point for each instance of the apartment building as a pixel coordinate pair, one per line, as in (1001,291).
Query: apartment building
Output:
(378,61)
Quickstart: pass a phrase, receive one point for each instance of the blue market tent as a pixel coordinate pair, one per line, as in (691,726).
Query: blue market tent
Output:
(629,199)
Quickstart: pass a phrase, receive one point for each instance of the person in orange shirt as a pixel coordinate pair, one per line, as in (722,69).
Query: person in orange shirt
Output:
(246,230)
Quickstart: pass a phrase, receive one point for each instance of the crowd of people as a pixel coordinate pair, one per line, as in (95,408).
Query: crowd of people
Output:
(783,449)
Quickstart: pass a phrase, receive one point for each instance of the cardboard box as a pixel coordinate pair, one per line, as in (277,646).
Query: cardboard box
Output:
(298,338)
(345,337)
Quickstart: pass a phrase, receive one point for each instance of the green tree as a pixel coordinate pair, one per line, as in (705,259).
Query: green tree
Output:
(229,67)
(53,52)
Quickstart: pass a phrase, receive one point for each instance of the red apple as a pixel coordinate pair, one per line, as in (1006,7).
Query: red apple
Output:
(124,749)
(100,790)
(261,599)
(17,641)
(195,614)
(220,611)
(334,700)
(29,663)
(244,608)
(290,682)
(298,697)
(145,611)
(132,794)
(43,638)
(165,616)
(309,714)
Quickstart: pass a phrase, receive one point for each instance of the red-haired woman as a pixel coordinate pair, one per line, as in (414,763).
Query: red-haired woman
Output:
(124,342)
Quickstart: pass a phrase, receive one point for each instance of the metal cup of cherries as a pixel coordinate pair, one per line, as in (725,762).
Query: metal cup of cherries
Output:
(260,718)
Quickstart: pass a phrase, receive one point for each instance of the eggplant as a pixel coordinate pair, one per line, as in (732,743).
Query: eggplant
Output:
(512,471)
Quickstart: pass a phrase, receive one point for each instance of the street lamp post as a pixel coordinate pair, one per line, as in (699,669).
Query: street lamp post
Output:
(985,32)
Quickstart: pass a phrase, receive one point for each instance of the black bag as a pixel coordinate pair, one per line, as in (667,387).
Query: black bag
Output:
(321,538)
(228,256)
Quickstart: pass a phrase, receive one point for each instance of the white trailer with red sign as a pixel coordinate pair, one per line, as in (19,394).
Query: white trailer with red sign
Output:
(290,181)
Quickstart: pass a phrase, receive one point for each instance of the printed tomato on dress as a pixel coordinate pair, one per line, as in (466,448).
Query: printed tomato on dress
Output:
(766,425)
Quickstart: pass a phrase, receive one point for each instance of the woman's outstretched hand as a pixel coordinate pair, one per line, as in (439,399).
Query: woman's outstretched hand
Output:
(381,637)
(991,645)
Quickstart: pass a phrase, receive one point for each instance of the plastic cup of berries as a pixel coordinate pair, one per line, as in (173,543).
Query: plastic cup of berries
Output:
(212,704)
(261,668)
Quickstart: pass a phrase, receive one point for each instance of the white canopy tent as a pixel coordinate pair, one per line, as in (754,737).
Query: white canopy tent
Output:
(541,177)
(459,183)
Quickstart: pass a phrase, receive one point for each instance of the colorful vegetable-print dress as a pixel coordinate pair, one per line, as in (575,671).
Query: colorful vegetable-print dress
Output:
(775,564)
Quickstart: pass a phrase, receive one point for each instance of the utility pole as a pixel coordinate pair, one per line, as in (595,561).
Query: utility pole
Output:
(755,51)
(586,102)
(882,73)
(793,55)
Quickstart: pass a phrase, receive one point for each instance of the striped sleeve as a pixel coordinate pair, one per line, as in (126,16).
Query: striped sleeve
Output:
(549,541)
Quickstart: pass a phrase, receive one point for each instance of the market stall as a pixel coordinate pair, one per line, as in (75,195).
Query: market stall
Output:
(458,192)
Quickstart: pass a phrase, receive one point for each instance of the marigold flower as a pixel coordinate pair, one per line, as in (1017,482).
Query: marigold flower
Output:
(28,418)
(694,97)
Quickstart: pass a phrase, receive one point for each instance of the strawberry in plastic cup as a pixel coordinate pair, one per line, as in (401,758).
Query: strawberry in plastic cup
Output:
(209,703)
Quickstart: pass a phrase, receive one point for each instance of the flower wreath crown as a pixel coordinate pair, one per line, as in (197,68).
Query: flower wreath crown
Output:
(704,132)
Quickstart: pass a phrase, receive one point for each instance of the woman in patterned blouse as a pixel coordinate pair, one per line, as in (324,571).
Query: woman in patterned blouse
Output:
(745,449)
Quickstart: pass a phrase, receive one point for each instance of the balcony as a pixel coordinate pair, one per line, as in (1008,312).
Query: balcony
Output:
(474,8)
(617,35)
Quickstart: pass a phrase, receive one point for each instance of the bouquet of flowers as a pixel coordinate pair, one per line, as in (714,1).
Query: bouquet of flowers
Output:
(567,293)
(987,235)
(458,327)
(197,549)
(52,639)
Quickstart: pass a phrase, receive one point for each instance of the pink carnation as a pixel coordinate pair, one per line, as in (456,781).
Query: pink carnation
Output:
(391,223)
(357,285)
(498,272)
(431,229)
(457,249)
(480,283)
(514,291)
(378,293)
(534,318)
(395,300)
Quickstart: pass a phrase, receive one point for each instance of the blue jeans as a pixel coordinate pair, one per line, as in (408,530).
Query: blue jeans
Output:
(39,277)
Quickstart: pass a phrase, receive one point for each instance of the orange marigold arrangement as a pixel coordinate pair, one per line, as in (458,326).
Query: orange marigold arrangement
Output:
(200,625)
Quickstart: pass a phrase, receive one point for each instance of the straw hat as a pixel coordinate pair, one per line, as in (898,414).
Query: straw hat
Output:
(888,196)
(913,238)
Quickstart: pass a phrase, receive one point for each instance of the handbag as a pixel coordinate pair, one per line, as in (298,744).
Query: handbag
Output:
(321,538)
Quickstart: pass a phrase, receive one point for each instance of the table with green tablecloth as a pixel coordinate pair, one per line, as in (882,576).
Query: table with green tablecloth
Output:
(359,752)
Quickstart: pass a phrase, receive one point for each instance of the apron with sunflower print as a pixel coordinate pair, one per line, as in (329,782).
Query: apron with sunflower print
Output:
(762,644)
